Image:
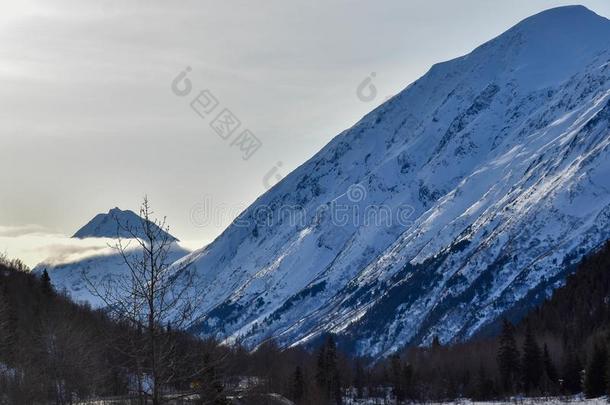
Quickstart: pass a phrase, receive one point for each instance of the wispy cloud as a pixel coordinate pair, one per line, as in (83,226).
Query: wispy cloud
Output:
(34,244)
(22,230)
(71,250)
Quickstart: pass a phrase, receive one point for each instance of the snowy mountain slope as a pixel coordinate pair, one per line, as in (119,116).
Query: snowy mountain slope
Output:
(106,265)
(494,170)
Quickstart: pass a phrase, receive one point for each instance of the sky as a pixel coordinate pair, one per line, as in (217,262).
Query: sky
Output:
(94,112)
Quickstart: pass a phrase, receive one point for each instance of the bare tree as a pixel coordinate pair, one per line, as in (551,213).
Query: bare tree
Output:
(152,299)
(71,363)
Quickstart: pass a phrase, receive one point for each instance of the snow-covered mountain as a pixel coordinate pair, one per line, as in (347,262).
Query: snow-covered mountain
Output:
(107,226)
(494,172)
(106,265)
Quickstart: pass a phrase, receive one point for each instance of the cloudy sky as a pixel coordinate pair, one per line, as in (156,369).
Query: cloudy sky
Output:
(89,120)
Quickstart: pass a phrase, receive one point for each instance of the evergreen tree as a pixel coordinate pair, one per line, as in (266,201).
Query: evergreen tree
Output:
(327,376)
(550,378)
(212,390)
(397,377)
(508,357)
(46,286)
(532,364)
(298,385)
(595,375)
(407,377)
(359,379)
(436,344)
(571,373)
(549,367)
(484,389)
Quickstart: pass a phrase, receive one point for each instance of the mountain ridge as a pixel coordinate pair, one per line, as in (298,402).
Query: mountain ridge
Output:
(463,145)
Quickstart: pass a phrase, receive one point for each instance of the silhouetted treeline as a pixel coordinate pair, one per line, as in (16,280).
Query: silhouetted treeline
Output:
(54,351)
(560,348)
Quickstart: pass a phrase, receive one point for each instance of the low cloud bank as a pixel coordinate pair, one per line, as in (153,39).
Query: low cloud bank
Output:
(34,245)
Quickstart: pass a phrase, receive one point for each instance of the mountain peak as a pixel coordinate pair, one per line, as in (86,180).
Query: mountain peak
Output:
(569,11)
(564,21)
(107,225)
(543,50)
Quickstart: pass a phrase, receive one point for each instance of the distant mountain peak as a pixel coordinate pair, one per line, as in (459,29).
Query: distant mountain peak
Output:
(107,225)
